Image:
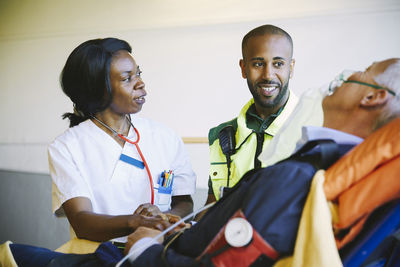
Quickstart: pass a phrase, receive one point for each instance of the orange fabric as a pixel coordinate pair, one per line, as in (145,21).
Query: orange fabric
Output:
(363,197)
(378,148)
(364,179)
(354,230)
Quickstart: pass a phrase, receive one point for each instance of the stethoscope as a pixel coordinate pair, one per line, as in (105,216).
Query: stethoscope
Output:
(137,147)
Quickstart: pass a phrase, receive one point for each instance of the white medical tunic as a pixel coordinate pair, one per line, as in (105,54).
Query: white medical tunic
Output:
(85,162)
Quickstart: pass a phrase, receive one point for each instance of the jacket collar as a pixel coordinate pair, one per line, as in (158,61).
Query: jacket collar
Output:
(273,128)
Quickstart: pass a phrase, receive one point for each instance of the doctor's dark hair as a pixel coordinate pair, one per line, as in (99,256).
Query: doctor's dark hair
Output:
(85,78)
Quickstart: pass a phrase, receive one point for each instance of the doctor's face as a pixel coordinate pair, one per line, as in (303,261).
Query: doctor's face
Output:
(128,93)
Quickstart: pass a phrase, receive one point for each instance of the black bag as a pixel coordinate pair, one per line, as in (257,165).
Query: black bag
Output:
(272,200)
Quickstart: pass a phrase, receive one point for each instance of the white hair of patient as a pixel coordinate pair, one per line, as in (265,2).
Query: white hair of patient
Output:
(390,79)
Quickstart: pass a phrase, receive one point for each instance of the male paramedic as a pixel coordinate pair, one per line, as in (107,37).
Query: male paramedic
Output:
(271,199)
(267,65)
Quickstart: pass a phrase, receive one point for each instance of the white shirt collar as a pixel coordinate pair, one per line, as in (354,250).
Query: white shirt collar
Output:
(310,133)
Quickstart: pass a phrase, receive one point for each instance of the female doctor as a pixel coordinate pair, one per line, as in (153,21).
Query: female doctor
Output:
(110,162)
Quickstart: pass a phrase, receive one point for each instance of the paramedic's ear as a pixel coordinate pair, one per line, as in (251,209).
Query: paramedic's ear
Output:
(292,63)
(242,67)
(375,98)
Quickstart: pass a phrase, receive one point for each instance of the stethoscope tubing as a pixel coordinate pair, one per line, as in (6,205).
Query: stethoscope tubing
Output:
(142,157)
(135,143)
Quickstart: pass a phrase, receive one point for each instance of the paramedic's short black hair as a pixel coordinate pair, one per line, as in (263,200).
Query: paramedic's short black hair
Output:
(85,78)
(267,29)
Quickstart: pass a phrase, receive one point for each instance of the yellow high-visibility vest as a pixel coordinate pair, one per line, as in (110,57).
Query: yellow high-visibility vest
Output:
(243,159)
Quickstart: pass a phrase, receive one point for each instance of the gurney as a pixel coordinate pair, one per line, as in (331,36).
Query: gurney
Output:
(379,242)
(353,207)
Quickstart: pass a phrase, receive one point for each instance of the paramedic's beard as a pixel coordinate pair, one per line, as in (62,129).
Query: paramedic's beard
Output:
(269,103)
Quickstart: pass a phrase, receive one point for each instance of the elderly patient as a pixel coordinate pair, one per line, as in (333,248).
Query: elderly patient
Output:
(272,199)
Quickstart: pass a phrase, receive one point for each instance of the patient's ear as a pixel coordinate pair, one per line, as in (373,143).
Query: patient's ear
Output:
(376,97)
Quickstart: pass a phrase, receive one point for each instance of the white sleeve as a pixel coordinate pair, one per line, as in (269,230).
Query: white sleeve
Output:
(140,246)
(184,176)
(67,180)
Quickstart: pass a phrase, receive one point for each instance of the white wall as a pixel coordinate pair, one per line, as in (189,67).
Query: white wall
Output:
(189,52)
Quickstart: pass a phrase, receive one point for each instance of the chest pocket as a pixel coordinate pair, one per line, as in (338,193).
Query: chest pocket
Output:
(219,174)
(218,170)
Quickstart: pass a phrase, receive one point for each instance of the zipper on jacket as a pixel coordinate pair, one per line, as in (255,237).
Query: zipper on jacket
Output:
(260,142)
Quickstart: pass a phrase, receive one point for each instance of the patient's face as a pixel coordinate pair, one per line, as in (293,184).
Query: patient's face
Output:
(348,96)
(372,71)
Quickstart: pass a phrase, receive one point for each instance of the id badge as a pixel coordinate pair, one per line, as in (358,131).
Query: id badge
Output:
(165,181)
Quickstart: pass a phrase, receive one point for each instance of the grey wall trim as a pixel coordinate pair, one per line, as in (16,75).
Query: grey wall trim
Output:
(25,208)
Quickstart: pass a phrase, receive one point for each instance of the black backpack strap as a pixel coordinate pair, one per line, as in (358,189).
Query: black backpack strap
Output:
(321,153)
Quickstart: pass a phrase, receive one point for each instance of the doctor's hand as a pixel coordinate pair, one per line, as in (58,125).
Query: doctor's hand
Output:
(158,223)
(150,210)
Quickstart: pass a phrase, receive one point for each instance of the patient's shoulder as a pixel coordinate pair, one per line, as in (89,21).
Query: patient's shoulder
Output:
(377,149)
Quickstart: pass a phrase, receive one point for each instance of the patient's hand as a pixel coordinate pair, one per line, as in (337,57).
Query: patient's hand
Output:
(140,233)
(180,227)
(174,219)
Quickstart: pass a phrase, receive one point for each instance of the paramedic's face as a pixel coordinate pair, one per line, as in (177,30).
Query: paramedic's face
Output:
(348,95)
(128,93)
(267,65)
